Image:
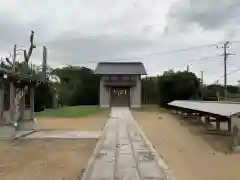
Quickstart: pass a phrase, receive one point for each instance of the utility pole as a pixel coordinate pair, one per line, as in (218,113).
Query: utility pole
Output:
(225,55)
(202,76)
(12,87)
(238,83)
(44,65)
(187,68)
(14,58)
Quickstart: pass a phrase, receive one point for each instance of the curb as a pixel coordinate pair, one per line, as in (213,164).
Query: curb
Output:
(160,162)
(84,175)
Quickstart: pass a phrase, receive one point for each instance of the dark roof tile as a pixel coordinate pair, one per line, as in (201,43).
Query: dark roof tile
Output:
(136,68)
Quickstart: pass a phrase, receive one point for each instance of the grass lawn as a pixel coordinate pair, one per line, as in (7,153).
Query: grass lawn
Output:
(74,111)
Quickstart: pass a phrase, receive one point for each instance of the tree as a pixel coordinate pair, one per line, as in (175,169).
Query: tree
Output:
(43,93)
(77,86)
(28,54)
(177,86)
(43,97)
(149,90)
(210,92)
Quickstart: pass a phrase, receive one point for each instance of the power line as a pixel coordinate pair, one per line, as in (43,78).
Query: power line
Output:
(225,55)
(204,58)
(159,54)
(235,41)
(162,53)
(117,59)
(231,72)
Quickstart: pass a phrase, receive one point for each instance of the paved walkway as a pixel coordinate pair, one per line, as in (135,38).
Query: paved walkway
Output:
(124,153)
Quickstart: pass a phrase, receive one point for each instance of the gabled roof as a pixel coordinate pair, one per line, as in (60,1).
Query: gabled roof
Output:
(227,109)
(120,68)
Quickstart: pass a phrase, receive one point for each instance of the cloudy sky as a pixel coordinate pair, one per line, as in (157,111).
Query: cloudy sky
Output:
(84,32)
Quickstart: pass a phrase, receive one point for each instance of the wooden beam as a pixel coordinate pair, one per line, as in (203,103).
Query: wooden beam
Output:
(1,99)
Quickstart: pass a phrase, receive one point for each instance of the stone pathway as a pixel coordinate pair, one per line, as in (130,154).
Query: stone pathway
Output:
(124,153)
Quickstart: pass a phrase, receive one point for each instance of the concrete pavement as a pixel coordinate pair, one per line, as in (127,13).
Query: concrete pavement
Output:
(124,153)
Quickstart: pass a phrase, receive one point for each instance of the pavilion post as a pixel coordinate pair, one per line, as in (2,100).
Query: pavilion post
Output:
(22,105)
(218,125)
(109,97)
(12,102)
(236,139)
(8,128)
(1,101)
(27,123)
(32,114)
(229,125)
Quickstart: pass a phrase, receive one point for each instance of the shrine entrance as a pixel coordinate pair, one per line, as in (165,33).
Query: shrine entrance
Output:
(120,96)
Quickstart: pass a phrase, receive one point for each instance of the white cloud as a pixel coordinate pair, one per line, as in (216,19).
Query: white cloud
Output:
(120,28)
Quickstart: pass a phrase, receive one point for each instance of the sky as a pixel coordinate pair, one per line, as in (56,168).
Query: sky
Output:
(160,33)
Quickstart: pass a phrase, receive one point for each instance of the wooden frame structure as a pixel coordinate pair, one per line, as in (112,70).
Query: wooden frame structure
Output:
(213,112)
(16,115)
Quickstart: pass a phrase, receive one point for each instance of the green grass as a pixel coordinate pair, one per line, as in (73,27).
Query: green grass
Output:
(74,111)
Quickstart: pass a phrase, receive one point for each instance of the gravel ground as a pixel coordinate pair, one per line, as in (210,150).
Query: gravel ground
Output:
(50,159)
(45,159)
(189,152)
(89,123)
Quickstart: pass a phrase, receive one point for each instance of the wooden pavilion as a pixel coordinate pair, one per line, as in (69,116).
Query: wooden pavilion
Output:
(16,107)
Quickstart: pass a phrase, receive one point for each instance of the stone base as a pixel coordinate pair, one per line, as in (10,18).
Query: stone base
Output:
(7,131)
(135,106)
(104,106)
(236,149)
(26,125)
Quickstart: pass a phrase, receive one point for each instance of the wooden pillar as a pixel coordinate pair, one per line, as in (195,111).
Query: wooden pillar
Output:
(236,139)
(217,125)
(12,101)
(28,123)
(32,114)
(54,98)
(109,97)
(22,104)
(229,125)
(1,101)
(207,120)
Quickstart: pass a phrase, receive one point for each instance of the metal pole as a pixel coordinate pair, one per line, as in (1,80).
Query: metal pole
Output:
(202,76)
(14,58)
(225,68)
(1,100)
(44,65)
(12,88)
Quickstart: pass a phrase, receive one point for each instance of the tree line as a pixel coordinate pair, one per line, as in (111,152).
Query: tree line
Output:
(170,86)
(76,85)
(183,85)
(80,86)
